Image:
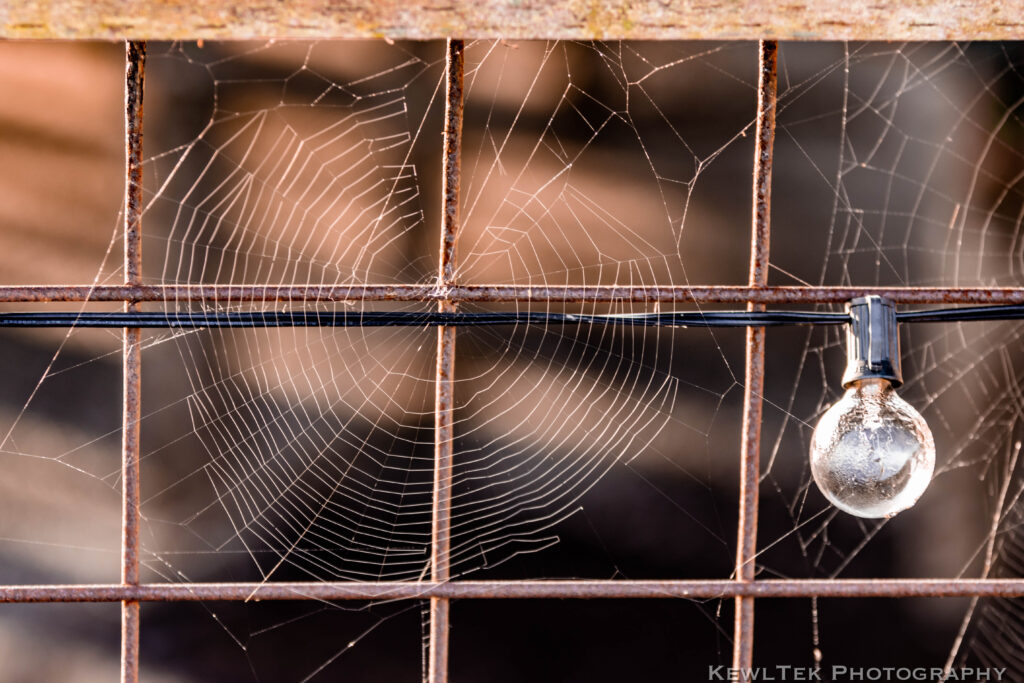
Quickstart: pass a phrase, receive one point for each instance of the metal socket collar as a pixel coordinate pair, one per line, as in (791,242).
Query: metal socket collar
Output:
(872,341)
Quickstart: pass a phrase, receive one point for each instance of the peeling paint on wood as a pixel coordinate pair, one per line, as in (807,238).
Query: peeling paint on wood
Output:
(521,19)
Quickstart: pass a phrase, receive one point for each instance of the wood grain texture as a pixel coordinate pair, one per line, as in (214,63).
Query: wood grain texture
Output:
(515,19)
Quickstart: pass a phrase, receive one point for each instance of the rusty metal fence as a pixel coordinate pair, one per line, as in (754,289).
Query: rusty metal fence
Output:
(744,587)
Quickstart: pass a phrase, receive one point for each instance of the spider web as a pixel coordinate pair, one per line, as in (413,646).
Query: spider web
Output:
(307,454)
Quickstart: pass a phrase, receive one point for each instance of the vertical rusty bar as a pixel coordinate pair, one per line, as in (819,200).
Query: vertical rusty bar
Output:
(444,404)
(750,449)
(135,70)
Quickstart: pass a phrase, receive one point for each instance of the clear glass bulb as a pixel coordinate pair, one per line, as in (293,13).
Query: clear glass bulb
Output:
(872,454)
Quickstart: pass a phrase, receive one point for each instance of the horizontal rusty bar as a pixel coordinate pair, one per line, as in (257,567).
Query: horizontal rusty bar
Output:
(497,293)
(514,19)
(693,589)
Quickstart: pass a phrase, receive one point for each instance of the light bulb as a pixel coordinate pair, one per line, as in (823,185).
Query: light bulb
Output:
(872,454)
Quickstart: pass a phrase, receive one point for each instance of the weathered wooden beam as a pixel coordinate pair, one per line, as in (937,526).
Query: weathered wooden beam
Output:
(515,19)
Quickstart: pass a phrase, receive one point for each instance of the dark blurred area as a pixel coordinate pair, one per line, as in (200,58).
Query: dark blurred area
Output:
(580,452)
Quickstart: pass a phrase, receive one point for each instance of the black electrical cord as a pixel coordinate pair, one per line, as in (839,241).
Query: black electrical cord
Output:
(200,319)
(962,315)
(251,319)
